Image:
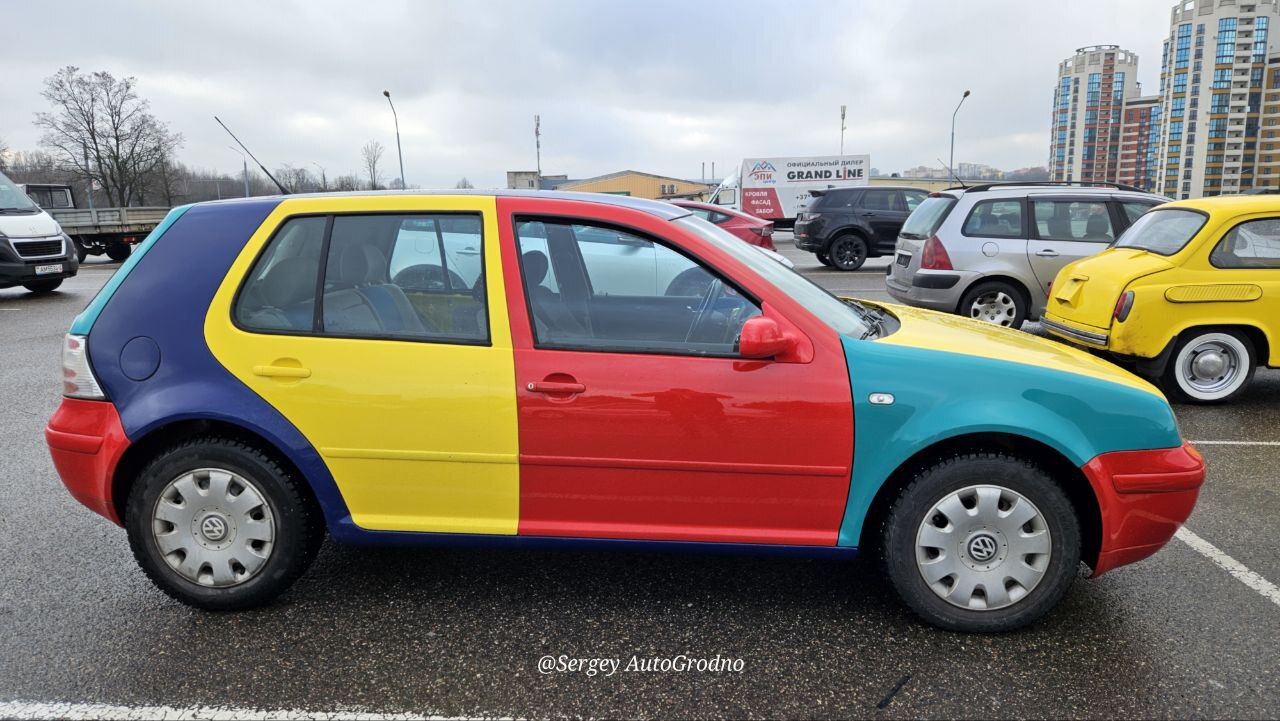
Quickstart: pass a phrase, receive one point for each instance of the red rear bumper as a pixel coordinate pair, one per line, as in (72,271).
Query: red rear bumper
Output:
(1144,497)
(86,441)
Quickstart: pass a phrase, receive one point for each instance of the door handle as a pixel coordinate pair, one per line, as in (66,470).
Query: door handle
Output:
(468,251)
(1047,253)
(555,387)
(281,371)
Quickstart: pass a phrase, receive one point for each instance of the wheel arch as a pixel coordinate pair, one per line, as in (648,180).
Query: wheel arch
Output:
(144,449)
(1066,474)
(1262,344)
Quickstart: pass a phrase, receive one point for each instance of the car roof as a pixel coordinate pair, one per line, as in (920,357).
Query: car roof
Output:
(1019,191)
(665,211)
(718,209)
(1229,204)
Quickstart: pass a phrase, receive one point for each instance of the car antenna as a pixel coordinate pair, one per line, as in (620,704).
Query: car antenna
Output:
(949,170)
(283,191)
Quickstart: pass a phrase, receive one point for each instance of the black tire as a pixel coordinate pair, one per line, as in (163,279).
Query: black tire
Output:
(847,252)
(43,286)
(1175,383)
(81,253)
(824,259)
(1011,316)
(299,525)
(908,513)
(119,251)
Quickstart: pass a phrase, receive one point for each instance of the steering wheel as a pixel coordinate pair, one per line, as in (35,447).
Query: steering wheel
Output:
(704,308)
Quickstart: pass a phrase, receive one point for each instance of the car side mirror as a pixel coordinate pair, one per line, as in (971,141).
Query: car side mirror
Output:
(762,337)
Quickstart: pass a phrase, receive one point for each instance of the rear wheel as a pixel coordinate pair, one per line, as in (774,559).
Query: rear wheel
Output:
(119,251)
(981,542)
(824,259)
(1210,366)
(219,525)
(847,252)
(995,302)
(43,286)
(81,253)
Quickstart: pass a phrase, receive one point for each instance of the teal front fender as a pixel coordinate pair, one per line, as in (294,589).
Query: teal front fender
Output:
(939,395)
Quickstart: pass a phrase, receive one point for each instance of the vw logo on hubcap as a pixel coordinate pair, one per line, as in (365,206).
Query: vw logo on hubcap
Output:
(213,528)
(982,548)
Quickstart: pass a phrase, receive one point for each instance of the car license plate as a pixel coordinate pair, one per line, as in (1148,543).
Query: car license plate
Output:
(904,259)
(47,269)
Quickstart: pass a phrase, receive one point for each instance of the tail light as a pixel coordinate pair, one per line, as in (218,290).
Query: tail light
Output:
(78,380)
(1123,306)
(763,231)
(934,255)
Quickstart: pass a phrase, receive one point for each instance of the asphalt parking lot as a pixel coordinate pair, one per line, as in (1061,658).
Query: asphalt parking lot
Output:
(460,632)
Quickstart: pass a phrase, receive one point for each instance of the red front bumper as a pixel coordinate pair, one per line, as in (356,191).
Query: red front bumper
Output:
(86,441)
(1144,497)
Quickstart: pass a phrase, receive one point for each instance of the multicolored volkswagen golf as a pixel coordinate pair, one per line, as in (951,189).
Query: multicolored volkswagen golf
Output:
(556,369)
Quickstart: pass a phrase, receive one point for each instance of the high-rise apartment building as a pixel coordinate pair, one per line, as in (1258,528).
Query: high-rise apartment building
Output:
(1088,113)
(1140,142)
(1212,77)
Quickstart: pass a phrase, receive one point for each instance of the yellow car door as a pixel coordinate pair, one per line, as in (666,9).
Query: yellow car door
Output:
(378,327)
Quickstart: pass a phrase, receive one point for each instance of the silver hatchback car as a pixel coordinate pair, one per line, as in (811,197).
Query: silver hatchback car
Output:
(991,251)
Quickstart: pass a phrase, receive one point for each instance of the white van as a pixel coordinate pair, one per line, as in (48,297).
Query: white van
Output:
(34,252)
(778,188)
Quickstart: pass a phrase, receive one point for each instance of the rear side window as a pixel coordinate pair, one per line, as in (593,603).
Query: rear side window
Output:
(1073,220)
(994,219)
(1133,211)
(280,293)
(925,220)
(880,200)
(410,277)
(1253,244)
(914,198)
(833,200)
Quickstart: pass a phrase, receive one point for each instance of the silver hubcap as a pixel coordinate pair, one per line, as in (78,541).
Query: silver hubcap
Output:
(994,307)
(983,547)
(213,527)
(1211,367)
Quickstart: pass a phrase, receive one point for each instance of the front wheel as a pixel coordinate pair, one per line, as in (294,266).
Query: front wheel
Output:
(1210,366)
(43,286)
(81,251)
(219,525)
(981,542)
(995,302)
(847,252)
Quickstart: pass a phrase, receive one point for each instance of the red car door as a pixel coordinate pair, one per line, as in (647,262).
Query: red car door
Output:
(635,418)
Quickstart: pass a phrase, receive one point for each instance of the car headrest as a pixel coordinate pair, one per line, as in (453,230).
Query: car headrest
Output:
(361,263)
(535,266)
(290,281)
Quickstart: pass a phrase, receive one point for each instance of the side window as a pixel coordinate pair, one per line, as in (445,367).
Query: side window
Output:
(1073,220)
(701,213)
(994,219)
(616,291)
(1253,244)
(913,198)
(720,218)
(880,200)
(1133,211)
(280,291)
(416,277)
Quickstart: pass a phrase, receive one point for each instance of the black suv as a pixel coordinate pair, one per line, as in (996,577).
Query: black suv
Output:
(845,226)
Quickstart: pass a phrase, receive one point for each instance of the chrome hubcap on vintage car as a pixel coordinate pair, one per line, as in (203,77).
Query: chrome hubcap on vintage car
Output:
(213,527)
(983,547)
(994,307)
(1210,367)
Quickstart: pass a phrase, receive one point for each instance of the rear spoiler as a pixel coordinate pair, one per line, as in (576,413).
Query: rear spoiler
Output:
(817,193)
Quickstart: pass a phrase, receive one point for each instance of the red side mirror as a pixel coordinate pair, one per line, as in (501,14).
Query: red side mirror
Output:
(762,337)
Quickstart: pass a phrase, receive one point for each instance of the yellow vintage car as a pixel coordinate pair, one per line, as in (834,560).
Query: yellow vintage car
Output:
(1189,296)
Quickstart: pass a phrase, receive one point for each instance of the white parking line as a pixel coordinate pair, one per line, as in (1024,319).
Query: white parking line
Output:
(35,710)
(1269,590)
(1235,443)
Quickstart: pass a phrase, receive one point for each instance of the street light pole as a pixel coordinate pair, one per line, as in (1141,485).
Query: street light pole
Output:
(245,162)
(841,131)
(324,181)
(952,161)
(399,152)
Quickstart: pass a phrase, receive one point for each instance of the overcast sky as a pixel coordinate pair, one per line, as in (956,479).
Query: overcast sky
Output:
(653,86)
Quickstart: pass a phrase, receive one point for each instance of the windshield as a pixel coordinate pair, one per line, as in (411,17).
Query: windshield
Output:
(1162,231)
(842,317)
(13,199)
(927,217)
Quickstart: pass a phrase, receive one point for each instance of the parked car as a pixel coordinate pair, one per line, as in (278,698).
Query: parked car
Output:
(320,367)
(845,226)
(34,252)
(738,224)
(1189,296)
(990,251)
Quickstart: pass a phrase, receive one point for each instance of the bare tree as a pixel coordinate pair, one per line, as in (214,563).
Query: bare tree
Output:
(463,183)
(346,182)
(371,153)
(103,130)
(4,154)
(295,180)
